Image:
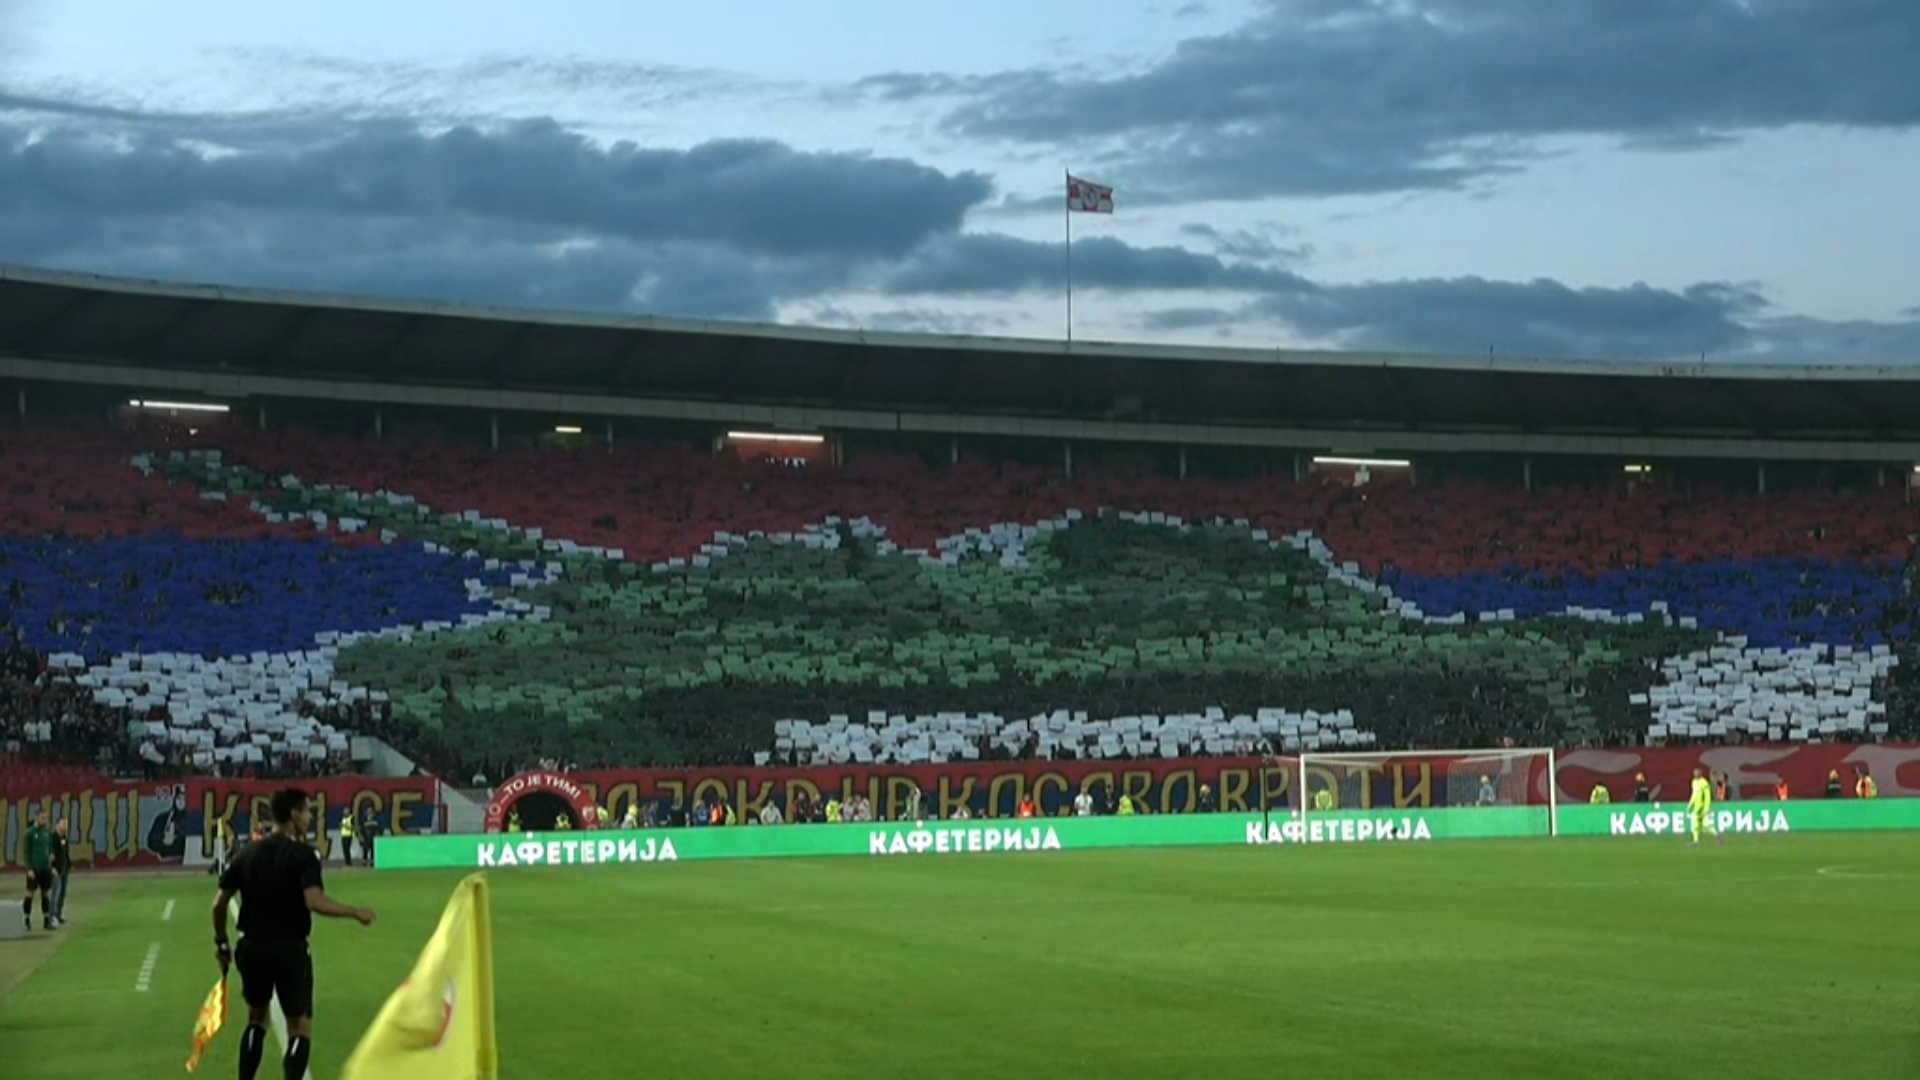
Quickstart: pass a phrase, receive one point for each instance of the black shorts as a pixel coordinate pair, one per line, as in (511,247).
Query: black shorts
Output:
(270,969)
(39,881)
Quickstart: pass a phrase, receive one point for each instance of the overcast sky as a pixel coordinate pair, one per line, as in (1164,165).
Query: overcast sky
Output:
(1640,179)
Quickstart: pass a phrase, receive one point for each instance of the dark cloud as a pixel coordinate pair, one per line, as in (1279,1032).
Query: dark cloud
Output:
(1260,244)
(1346,96)
(533,177)
(535,214)
(1192,318)
(1895,344)
(1473,316)
(465,89)
(527,212)
(931,320)
(990,264)
(1537,318)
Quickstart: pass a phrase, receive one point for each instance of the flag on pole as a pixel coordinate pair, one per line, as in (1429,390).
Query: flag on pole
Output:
(439,1024)
(213,1014)
(1087,197)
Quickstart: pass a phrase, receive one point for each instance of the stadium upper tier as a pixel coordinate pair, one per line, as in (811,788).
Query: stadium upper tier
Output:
(241,593)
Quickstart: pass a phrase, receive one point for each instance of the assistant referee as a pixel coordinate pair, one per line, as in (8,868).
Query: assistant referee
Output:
(278,882)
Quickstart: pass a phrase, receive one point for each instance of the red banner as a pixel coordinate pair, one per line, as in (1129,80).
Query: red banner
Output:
(1161,787)
(129,825)
(1173,786)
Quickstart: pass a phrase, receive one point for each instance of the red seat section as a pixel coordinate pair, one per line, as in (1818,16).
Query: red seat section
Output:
(77,479)
(663,500)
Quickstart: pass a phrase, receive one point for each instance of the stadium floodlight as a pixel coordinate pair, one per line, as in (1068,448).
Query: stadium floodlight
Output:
(1366,463)
(567,429)
(1638,469)
(774,436)
(1418,794)
(179,406)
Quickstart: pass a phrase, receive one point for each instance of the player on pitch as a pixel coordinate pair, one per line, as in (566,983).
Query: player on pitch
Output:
(1700,807)
(278,883)
(39,871)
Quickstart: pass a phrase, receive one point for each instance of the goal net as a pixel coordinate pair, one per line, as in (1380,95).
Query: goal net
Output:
(1460,793)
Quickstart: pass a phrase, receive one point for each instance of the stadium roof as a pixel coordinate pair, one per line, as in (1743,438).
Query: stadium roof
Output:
(246,343)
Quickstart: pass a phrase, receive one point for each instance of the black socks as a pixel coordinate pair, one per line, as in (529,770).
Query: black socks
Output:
(253,1046)
(296,1059)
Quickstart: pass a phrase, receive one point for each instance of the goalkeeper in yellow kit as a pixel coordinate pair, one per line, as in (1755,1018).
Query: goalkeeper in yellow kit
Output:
(1700,806)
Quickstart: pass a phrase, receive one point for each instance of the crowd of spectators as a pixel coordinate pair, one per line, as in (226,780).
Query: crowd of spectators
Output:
(45,721)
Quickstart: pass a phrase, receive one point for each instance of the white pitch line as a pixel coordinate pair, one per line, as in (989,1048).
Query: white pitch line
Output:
(167,915)
(274,1015)
(1847,871)
(143,982)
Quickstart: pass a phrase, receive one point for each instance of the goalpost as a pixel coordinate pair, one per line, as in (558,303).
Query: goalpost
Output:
(1475,792)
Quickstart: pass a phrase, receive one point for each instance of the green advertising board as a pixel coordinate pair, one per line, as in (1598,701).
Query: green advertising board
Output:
(772,841)
(1430,823)
(891,839)
(1804,815)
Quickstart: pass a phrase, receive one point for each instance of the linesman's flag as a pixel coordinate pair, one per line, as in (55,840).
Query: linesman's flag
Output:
(213,1014)
(439,1024)
(1087,197)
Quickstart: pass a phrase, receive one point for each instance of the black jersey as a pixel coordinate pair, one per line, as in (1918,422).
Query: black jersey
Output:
(272,878)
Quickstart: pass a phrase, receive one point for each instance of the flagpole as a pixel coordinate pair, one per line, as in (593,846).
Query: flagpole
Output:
(1066,203)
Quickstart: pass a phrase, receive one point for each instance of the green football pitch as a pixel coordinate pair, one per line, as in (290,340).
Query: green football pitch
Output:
(1775,956)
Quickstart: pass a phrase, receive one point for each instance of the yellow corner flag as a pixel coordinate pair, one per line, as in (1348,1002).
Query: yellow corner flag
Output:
(439,1024)
(213,1013)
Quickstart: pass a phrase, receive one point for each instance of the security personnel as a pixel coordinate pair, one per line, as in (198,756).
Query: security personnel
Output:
(346,838)
(368,829)
(62,870)
(1600,795)
(278,884)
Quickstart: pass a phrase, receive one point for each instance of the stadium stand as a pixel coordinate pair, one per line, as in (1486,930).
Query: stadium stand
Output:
(245,599)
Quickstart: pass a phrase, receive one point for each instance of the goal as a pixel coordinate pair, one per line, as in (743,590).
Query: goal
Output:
(1457,793)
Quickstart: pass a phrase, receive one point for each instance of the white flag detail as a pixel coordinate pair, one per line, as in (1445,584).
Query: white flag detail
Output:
(1087,197)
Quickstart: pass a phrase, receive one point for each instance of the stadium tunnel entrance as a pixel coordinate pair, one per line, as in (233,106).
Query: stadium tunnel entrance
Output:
(541,800)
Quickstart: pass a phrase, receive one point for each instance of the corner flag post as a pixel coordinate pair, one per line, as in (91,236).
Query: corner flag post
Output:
(488,1063)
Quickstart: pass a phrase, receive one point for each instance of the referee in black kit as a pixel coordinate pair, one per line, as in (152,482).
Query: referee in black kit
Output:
(278,882)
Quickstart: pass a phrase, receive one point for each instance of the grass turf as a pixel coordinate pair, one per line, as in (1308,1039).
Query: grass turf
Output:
(1485,960)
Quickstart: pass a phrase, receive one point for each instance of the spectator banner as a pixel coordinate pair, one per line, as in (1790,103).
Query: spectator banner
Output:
(939,838)
(1173,786)
(133,825)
